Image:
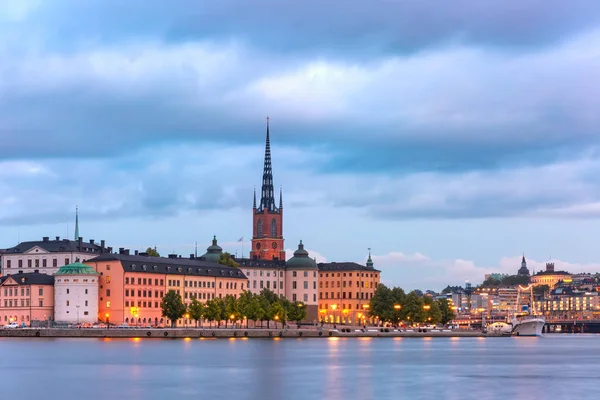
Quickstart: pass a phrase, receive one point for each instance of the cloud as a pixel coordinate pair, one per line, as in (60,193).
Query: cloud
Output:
(418,271)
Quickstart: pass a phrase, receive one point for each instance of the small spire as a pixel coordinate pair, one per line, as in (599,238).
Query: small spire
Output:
(523,259)
(280,197)
(254,205)
(369,260)
(76,223)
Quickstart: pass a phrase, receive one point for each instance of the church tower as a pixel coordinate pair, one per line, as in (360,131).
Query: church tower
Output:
(267,219)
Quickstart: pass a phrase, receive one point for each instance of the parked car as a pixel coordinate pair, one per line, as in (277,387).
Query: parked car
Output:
(12,325)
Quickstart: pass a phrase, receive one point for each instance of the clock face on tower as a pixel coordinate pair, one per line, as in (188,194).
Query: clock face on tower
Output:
(258,245)
(274,245)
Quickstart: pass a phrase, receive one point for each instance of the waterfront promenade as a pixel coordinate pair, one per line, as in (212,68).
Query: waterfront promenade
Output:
(166,333)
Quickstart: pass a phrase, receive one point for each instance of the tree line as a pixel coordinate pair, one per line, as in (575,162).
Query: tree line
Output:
(394,305)
(263,307)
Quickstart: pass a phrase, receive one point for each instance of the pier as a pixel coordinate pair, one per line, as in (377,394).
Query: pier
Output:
(216,333)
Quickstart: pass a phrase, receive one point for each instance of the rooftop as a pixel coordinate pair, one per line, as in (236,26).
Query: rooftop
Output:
(57,245)
(175,266)
(344,266)
(76,268)
(31,278)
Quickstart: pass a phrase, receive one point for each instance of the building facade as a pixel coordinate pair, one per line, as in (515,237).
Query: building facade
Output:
(47,256)
(345,290)
(76,294)
(26,298)
(267,219)
(132,286)
(550,277)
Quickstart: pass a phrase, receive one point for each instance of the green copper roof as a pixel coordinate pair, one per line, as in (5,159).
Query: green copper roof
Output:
(301,259)
(76,269)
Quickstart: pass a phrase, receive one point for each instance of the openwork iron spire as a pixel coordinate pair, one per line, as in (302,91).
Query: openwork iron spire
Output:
(267,200)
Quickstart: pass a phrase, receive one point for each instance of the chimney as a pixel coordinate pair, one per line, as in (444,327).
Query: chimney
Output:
(136,253)
(192,257)
(79,243)
(46,239)
(57,238)
(172,255)
(92,241)
(121,250)
(126,252)
(144,254)
(102,246)
(549,267)
(109,249)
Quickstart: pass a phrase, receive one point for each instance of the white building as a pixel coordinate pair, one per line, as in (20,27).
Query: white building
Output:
(47,256)
(76,294)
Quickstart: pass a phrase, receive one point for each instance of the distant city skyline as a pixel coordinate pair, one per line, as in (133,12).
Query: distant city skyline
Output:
(449,140)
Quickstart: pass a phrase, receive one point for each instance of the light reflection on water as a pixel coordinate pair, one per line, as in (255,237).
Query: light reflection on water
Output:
(555,366)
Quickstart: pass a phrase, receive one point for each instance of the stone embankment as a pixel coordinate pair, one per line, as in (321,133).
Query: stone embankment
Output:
(165,333)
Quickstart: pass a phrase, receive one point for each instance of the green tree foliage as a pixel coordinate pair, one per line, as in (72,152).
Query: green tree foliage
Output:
(231,309)
(445,307)
(212,311)
(152,252)
(296,311)
(277,312)
(196,310)
(172,307)
(511,280)
(226,259)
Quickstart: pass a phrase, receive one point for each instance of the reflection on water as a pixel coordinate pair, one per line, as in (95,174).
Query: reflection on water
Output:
(555,366)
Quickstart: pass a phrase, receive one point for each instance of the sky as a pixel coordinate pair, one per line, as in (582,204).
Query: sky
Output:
(449,139)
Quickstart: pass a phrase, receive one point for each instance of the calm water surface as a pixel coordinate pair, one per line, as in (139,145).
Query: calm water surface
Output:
(551,367)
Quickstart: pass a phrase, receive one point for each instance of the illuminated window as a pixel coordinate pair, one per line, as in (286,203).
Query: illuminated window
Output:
(108,304)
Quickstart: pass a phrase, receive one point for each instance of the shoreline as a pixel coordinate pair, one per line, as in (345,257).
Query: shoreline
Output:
(222,333)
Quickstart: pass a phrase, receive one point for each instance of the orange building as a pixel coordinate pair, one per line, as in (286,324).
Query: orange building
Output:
(345,290)
(267,219)
(132,286)
(26,298)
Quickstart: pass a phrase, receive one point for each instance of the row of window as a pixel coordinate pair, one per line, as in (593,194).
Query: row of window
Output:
(15,319)
(10,292)
(144,281)
(30,263)
(143,293)
(361,296)
(344,306)
(347,283)
(86,304)
(367,275)
(24,303)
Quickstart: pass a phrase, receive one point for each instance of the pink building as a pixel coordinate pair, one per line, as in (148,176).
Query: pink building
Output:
(26,297)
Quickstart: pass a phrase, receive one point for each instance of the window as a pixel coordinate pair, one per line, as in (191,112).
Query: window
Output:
(261,284)
(7,263)
(314,284)
(273,228)
(108,304)
(86,291)
(86,303)
(28,263)
(108,267)
(259,228)
(254,284)
(268,284)
(41,292)
(305,297)
(54,262)
(66,261)
(294,274)
(20,263)
(107,292)
(67,291)
(281,285)
(305,284)
(44,263)
(294,286)
(41,303)
(67,303)
(37,263)
(306,274)
(294,297)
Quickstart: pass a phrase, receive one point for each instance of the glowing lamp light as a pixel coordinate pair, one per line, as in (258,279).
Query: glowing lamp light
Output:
(276,317)
(397,307)
(426,307)
(231,316)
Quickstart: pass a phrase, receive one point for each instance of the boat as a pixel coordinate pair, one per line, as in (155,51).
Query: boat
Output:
(499,327)
(527,322)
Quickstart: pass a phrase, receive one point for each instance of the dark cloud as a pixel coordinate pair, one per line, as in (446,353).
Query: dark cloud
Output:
(351,28)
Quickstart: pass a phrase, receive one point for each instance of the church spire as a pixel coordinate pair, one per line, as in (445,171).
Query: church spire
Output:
(76,223)
(280,198)
(267,200)
(369,260)
(254,204)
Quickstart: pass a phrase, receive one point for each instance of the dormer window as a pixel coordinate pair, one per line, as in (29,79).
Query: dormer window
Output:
(169,268)
(144,267)
(132,267)
(179,269)
(155,267)
(208,271)
(189,270)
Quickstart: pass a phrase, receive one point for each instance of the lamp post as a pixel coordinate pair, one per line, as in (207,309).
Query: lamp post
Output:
(397,308)
(426,308)
(232,317)
(333,307)
(77,306)
(276,319)
(107,323)
(187,317)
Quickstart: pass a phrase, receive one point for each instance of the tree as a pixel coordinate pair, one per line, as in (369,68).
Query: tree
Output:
(196,310)
(226,259)
(447,314)
(231,309)
(172,307)
(413,308)
(381,304)
(296,311)
(277,313)
(152,252)
(212,311)
(256,312)
(244,306)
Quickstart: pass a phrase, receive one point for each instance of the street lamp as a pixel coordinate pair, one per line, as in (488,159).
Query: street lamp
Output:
(187,317)
(107,324)
(397,307)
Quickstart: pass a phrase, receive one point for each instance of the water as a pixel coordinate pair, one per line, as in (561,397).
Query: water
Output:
(554,367)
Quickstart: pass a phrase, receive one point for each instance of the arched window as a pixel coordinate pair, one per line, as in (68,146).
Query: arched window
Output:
(259,231)
(273,228)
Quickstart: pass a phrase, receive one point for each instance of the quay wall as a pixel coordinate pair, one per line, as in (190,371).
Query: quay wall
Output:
(165,333)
